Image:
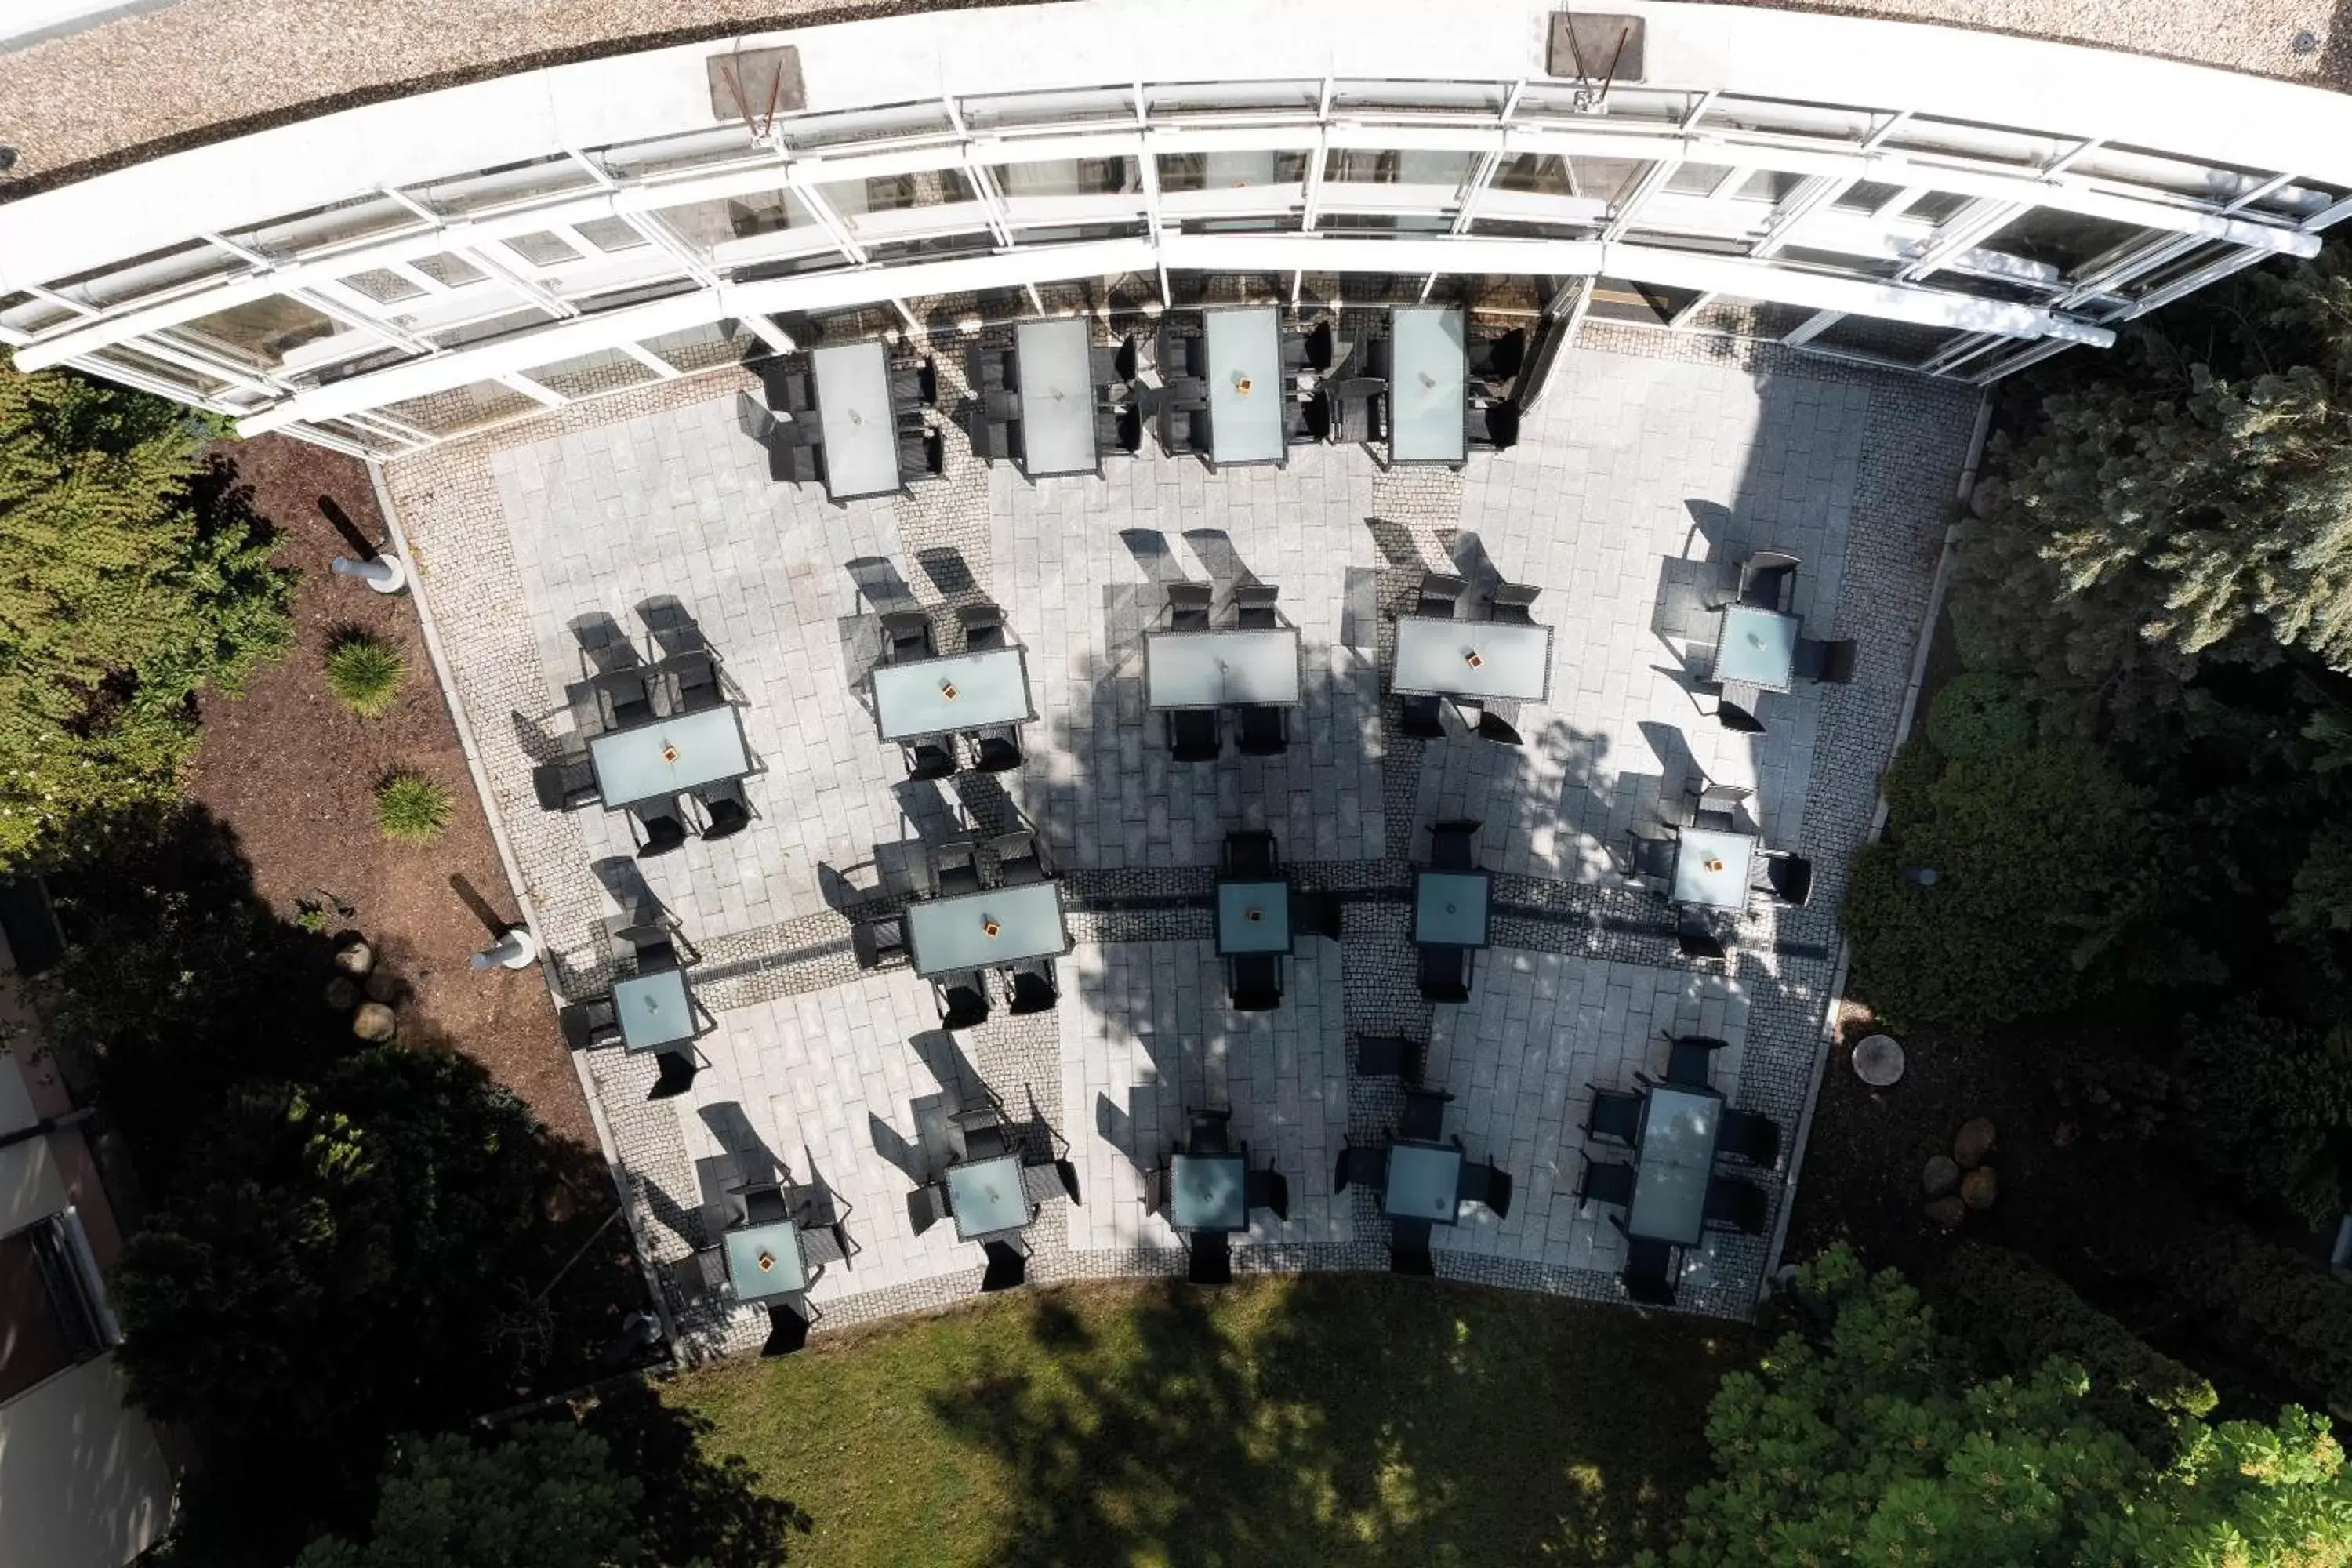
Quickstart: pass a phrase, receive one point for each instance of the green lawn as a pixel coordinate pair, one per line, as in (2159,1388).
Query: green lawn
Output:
(1323,1420)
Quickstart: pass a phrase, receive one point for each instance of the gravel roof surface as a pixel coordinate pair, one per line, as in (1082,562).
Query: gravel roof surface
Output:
(199,70)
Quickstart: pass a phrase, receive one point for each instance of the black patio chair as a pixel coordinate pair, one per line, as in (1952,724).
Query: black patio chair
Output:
(1829,663)
(1498,357)
(928,760)
(1649,1272)
(1695,938)
(1607,1182)
(1253,982)
(1614,1115)
(1124,364)
(1008,1266)
(1045,1180)
(1408,1248)
(659,829)
(1486,1183)
(1495,427)
(1194,735)
(1254,605)
(1453,845)
(1296,431)
(589,1023)
(984,627)
(1734,1204)
(1423,1116)
(1320,346)
(1155,1190)
(788,1325)
(1267,1189)
(1252,852)
(824,1244)
(1510,603)
(677,1072)
(1261,731)
(1716,805)
(644,949)
(926,1205)
(693,681)
(1690,1059)
(955,867)
(1021,857)
(565,784)
(1445,972)
(877,941)
(997,749)
(1031,988)
(1389,1056)
(1744,1135)
(1208,1130)
(1441,593)
(725,809)
(1189,604)
(1130,430)
(961,1006)
(1369,1166)
(906,635)
(1212,1257)
(1496,731)
(1424,717)
(1768,579)
(1736,718)
(1317,416)
(1315,914)
(1788,878)
(623,698)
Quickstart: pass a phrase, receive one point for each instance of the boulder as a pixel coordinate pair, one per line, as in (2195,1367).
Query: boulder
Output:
(343,994)
(384,985)
(1878,1061)
(1974,1143)
(1947,1210)
(556,1203)
(375,1021)
(355,958)
(1979,1187)
(1941,1176)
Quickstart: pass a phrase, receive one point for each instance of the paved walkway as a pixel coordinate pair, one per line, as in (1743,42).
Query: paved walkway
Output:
(1656,457)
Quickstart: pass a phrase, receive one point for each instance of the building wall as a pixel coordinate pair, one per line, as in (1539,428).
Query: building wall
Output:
(85,1482)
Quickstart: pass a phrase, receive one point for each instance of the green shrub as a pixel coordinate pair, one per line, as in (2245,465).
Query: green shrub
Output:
(412,808)
(365,673)
(2277,1308)
(2266,1108)
(1977,716)
(2028,1315)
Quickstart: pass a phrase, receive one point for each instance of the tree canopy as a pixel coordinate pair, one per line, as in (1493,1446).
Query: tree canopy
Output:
(545,1496)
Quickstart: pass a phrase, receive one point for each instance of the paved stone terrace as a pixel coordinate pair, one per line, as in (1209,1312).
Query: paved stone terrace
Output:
(1657,455)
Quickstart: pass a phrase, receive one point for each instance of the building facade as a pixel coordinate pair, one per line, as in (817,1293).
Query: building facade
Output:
(386,278)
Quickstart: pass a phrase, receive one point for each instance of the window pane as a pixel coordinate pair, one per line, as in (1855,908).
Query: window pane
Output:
(1541,173)
(605,369)
(1768,117)
(28,313)
(708,224)
(383,287)
(1067,178)
(128,357)
(449,271)
(703,347)
(1357,165)
(488,327)
(1603,179)
(1230,171)
(140,276)
(1866,196)
(899,193)
(2068,241)
(263,330)
(1234,98)
(897,123)
(505,187)
(1978,144)
(1935,206)
(717,147)
(1697,179)
(462,408)
(362,217)
(1767,186)
(1456,97)
(1047,108)
(541,250)
(609,234)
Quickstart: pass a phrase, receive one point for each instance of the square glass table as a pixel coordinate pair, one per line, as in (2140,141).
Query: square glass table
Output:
(955,691)
(1208,1192)
(661,757)
(1423,1181)
(987,1198)
(1757,648)
(1428,384)
(765,1260)
(1058,397)
(1246,384)
(654,1009)
(1449,908)
(947,935)
(1677,1158)
(861,426)
(1253,917)
(1712,865)
(1476,659)
(1231,666)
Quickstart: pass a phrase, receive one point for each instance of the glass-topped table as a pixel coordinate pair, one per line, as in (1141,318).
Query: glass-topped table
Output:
(1677,1156)
(986,1197)
(1058,397)
(1246,387)
(1253,917)
(766,1260)
(1712,866)
(1757,648)
(1233,667)
(662,757)
(954,691)
(1208,1192)
(945,935)
(861,426)
(654,1009)
(1424,1180)
(1476,660)
(1450,908)
(1428,383)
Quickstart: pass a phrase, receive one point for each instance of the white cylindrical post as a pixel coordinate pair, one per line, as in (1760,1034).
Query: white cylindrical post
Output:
(385,574)
(517,949)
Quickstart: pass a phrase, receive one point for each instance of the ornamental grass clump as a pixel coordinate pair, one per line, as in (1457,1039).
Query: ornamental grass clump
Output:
(412,808)
(365,673)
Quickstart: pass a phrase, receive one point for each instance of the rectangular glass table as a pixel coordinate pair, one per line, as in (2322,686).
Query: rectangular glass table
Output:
(861,426)
(956,691)
(1208,1192)
(766,1260)
(1230,667)
(1474,659)
(1677,1158)
(1449,908)
(1712,865)
(945,936)
(660,758)
(654,1009)
(1058,397)
(1246,389)
(1425,1180)
(1757,648)
(987,1198)
(1428,384)
(1253,917)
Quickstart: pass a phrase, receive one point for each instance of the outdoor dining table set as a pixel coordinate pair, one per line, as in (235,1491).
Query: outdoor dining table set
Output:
(662,744)
(1709,861)
(1423,1179)
(1207,1189)
(850,421)
(1196,671)
(945,709)
(1260,918)
(650,1007)
(775,1243)
(991,1188)
(1672,1193)
(1761,646)
(980,907)
(1055,403)
(1498,653)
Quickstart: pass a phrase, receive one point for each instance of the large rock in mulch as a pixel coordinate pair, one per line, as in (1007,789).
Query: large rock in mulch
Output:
(1878,1061)
(355,958)
(343,994)
(1974,1141)
(375,1021)
(1947,1210)
(1979,1187)
(384,985)
(1941,1176)
(556,1203)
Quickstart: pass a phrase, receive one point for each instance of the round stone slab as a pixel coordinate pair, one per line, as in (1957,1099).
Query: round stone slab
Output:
(1878,1061)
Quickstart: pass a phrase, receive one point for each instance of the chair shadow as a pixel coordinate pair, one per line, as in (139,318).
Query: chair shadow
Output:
(625,883)
(538,743)
(1713,529)
(603,643)
(753,1159)
(949,573)
(671,625)
(879,583)
(1213,548)
(1397,545)
(1148,546)
(906,1158)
